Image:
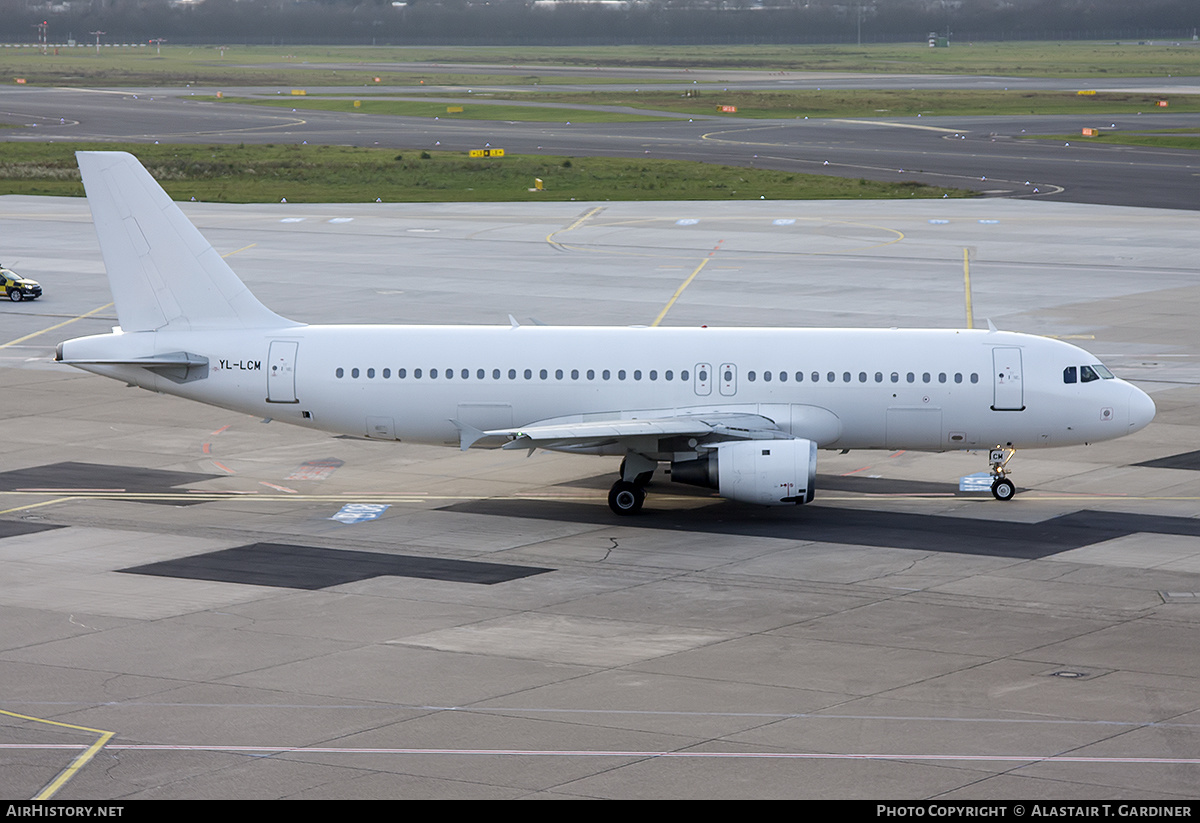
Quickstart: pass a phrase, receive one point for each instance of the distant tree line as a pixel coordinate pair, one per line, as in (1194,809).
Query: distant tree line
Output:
(525,22)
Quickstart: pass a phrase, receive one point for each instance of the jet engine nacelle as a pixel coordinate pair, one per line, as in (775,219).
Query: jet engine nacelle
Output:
(767,472)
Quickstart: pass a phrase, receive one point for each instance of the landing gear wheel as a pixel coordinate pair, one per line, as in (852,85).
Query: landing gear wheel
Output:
(626,498)
(1003,489)
(15,296)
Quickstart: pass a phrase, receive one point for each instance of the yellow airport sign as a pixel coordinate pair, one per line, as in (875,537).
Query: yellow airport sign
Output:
(486,152)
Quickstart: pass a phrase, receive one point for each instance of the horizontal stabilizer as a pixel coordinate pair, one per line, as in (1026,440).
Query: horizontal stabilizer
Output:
(178,367)
(160,361)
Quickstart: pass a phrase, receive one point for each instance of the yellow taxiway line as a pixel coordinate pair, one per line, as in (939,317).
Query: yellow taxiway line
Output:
(78,763)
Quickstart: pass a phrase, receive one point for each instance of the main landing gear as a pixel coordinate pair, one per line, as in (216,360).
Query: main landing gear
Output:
(629,492)
(626,497)
(1002,487)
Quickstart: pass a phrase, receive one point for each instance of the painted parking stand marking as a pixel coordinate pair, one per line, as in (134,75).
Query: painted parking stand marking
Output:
(352,513)
(277,488)
(978,482)
(316,469)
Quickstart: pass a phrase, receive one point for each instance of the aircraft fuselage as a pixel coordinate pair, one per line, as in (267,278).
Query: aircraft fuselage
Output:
(932,390)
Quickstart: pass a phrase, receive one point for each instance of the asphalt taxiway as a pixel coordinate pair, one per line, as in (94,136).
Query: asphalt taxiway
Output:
(178,604)
(987,154)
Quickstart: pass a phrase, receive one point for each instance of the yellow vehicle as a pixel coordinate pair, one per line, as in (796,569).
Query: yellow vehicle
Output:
(18,288)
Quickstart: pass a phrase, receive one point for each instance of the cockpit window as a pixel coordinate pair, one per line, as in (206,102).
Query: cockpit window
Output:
(1069,375)
(1103,372)
(1087,374)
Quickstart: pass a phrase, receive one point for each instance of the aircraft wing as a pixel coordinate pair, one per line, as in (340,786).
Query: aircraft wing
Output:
(588,434)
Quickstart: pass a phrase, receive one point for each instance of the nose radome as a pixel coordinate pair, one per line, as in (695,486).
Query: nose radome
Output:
(1141,410)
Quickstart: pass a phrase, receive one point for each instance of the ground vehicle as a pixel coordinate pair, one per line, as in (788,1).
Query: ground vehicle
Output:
(18,288)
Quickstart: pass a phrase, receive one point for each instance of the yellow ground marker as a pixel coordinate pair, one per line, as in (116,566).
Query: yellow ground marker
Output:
(550,237)
(679,291)
(967,289)
(55,326)
(78,763)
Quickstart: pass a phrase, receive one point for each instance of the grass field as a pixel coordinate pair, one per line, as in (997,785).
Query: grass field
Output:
(338,174)
(417,108)
(756,104)
(867,103)
(265,65)
(1161,139)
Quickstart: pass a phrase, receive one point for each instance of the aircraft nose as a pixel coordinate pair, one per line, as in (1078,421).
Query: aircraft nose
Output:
(1141,410)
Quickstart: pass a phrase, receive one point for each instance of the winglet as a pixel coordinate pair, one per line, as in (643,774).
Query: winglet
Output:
(991,326)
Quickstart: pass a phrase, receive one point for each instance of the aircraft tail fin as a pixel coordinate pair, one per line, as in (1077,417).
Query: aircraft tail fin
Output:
(162,271)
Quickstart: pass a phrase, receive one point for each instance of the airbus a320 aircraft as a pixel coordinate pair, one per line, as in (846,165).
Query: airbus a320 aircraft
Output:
(739,410)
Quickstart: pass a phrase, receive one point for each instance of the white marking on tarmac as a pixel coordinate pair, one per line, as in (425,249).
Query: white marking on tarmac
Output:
(901,125)
(269,750)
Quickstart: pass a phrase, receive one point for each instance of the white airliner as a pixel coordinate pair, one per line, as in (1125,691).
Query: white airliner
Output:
(739,410)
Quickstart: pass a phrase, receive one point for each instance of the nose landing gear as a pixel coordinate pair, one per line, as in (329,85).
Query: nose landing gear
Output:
(1002,487)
